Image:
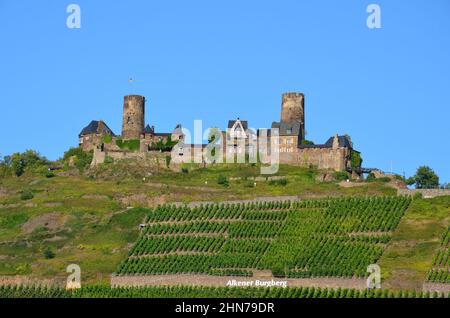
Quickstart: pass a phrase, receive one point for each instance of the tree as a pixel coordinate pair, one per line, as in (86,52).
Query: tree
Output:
(356,161)
(425,178)
(29,159)
(17,164)
(5,166)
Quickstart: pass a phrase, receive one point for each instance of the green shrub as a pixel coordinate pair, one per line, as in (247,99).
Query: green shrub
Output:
(82,158)
(48,253)
(49,174)
(222,180)
(131,145)
(107,139)
(279,182)
(341,175)
(26,194)
(249,184)
(184,170)
(109,160)
(5,171)
(417,196)
(163,146)
(371,177)
(307,142)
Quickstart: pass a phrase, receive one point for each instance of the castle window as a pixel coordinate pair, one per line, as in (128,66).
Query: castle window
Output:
(289,131)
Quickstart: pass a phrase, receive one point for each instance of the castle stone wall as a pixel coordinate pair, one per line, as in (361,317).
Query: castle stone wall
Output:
(133,119)
(293,109)
(322,158)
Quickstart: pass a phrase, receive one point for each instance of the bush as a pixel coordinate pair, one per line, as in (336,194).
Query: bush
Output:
(163,146)
(131,145)
(417,196)
(82,158)
(5,171)
(371,177)
(48,253)
(26,195)
(307,142)
(279,182)
(222,180)
(184,170)
(109,159)
(107,139)
(49,174)
(249,184)
(341,175)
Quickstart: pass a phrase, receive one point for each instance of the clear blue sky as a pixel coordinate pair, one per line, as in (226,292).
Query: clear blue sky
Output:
(217,60)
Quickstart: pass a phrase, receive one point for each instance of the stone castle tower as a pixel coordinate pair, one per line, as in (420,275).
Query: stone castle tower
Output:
(133,119)
(293,109)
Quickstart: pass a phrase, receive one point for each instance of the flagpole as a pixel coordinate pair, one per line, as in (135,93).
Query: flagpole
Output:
(130,81)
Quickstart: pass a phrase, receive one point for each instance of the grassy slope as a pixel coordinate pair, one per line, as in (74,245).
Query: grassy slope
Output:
(93,231)
(409,257)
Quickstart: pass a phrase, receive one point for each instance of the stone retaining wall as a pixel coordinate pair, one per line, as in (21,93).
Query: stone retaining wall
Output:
(426,193)
(256,200)
(435,287)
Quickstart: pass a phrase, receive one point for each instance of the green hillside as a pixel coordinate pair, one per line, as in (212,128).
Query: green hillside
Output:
(50,220)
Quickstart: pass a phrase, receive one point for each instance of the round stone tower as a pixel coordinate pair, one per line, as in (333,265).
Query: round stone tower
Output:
(293,109)
(133,117)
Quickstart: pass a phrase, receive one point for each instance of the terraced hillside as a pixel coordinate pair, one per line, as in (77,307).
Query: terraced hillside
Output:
(440,273)
(336,237)
(49,220)
(417,251)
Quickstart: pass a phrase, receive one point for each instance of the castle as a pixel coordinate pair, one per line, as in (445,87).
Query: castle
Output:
(138,140)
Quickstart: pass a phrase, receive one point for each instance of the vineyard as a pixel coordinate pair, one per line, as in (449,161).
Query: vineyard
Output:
(440,273)
(205,292)
(317,238)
